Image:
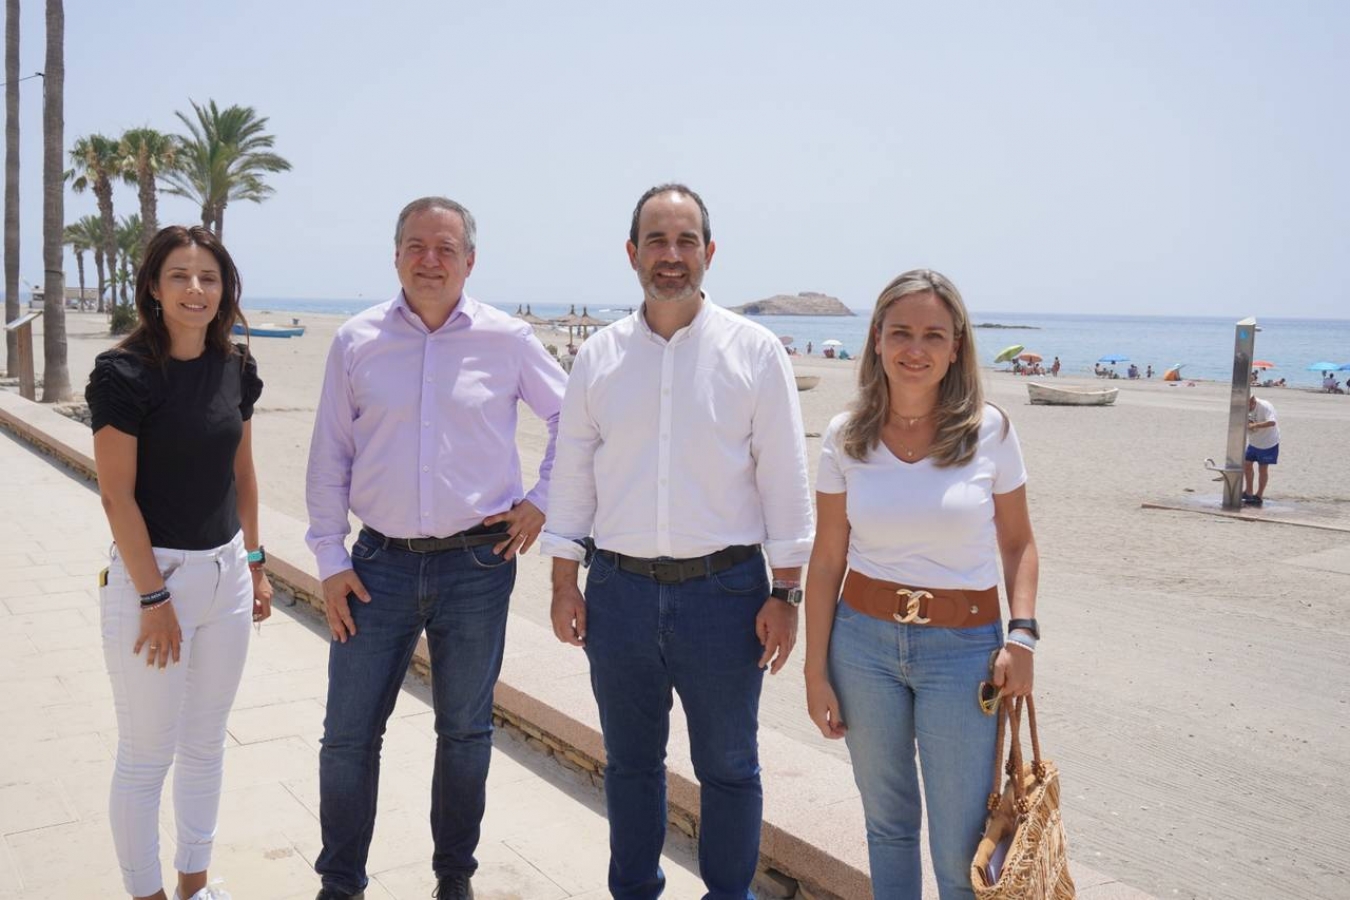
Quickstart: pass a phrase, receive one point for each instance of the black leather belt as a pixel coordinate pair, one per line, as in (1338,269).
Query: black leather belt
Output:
(674,571)
(473,537)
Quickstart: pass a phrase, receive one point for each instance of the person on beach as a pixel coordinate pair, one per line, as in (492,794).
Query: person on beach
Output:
(171,409)
(1149,372)
(1263,449)
(808,348)
(920,494)
(415,434)
(681,451)
(1054,367)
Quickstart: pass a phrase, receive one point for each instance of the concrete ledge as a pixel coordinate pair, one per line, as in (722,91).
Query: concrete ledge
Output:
(813,843)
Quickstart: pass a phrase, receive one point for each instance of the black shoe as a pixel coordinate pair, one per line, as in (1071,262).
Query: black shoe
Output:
(1256,501)
(330,894)
(454,887)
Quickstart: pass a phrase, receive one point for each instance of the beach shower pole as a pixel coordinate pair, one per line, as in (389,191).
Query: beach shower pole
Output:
(1244,349)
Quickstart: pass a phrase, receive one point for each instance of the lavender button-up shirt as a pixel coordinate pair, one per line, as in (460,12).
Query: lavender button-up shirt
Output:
(415,431)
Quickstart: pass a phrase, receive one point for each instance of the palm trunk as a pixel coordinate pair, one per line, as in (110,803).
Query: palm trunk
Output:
(208,214)
(79,264)
(98,265)
(55,366)
(12,182)
(149,206)
(103,194)
(219,228)
(126,276)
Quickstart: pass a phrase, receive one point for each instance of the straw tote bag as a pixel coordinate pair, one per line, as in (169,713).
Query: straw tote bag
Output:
(1023,854)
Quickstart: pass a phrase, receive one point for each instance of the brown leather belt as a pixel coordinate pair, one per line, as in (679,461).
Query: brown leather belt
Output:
(920,606)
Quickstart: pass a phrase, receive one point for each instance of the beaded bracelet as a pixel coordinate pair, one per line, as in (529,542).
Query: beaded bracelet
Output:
(155,598)
(1025,641)
(147,607)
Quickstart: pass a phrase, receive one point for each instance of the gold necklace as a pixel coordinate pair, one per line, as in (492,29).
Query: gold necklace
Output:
(908,451)
(910,421)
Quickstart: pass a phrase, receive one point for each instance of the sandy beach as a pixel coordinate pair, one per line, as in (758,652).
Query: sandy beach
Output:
(1192,678)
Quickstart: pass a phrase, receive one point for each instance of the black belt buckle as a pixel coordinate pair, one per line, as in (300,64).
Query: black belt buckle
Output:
(665,571)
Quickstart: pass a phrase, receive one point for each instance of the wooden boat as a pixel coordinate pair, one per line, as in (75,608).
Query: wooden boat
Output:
(1063,396)
(806,382)
(268,329)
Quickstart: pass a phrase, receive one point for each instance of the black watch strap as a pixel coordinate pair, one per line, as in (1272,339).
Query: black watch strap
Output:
(789,595)
(1028,624)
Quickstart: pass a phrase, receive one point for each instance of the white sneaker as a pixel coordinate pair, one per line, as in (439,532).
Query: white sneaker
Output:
(212,891)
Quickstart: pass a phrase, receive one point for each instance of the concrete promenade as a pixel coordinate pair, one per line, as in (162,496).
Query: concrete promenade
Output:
(544,836)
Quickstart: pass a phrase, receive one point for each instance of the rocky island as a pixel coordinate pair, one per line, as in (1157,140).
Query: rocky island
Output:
(807,303)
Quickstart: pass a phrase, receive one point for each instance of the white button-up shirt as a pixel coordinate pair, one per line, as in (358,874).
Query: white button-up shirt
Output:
(679,448)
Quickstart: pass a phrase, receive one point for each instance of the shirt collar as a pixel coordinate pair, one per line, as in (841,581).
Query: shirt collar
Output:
(697,325)
(466,307)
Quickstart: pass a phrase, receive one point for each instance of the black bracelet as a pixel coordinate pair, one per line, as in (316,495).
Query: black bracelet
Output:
(155,597)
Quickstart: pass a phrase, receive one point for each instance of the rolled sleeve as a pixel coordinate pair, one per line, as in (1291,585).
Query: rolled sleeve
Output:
(542,385)
(781,474)
(572,499)
(328,478)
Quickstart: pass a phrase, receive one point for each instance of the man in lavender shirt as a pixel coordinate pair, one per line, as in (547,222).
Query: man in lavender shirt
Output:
(415,434)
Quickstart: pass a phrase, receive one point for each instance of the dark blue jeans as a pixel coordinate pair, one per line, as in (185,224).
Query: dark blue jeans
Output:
(460,598)
(644,639)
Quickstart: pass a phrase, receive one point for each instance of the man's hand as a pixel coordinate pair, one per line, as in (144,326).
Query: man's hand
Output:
(569,614)
(525,521)
(776,627)
(336,589)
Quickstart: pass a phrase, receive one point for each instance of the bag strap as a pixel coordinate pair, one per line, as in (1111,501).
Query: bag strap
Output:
(1010,721)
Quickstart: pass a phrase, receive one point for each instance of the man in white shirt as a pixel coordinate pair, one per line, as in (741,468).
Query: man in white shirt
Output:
(680,451)
(1263,448)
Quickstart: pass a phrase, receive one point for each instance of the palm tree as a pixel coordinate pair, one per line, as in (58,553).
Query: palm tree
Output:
(97,161)
(146,155)
(55,366)
(224,157)
(75,237)
(12,182)
(91,228)
(129,246)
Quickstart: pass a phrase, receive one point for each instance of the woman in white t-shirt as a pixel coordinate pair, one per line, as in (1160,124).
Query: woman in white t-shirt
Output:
(920,494)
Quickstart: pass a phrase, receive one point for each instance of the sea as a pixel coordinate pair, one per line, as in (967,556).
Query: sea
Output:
(1202,345)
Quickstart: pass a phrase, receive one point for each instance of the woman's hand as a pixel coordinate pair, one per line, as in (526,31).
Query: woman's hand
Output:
(823,706)
(160,635)
(262,595)
(1014,671)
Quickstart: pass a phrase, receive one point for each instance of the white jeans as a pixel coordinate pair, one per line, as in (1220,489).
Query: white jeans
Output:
(177,714)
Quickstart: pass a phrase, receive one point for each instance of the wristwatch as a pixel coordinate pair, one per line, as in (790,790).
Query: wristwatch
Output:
(257,558)
(1028,624)
(789,592)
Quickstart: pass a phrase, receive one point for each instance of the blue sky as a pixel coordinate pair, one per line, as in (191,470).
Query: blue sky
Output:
(1141,157)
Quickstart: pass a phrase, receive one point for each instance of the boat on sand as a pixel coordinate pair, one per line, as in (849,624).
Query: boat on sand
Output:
(806,382)
(268,329)
(1063,396)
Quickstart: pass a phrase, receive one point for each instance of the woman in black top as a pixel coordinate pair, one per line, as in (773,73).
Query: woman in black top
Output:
(171,408)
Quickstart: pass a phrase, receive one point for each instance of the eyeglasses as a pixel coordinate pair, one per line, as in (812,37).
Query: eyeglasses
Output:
(988,692)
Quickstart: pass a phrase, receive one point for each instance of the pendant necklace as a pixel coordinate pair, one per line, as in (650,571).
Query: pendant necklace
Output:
(910,422)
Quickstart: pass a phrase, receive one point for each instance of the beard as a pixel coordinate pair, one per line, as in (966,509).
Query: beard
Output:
(690,289)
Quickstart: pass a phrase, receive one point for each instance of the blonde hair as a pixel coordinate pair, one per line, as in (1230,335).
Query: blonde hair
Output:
(960,407)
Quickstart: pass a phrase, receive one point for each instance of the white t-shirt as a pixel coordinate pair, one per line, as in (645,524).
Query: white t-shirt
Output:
(917,523)
(1262,438)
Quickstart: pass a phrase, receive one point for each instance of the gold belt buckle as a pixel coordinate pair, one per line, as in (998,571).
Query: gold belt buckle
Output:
(912,600)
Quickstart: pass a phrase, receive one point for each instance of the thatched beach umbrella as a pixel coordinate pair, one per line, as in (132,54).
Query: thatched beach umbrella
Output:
(530,318)
(586,320)
(571,320)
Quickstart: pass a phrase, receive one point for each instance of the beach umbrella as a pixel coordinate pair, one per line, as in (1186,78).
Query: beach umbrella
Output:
(586,320)
(1262,364)
(1174,373)
(785,338)
(1030,357)
(1112,360)
(1344,368)
(1324,367)
(529,317)
(1007,353)
(831,342)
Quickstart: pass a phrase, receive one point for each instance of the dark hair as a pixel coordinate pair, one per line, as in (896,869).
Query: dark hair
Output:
(151,336)
(426,204)
(672,187)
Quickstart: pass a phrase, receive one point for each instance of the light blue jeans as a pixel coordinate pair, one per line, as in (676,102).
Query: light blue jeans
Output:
(902,686)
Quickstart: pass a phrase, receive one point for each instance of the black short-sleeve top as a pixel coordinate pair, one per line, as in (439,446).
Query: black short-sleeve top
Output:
(188,418)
